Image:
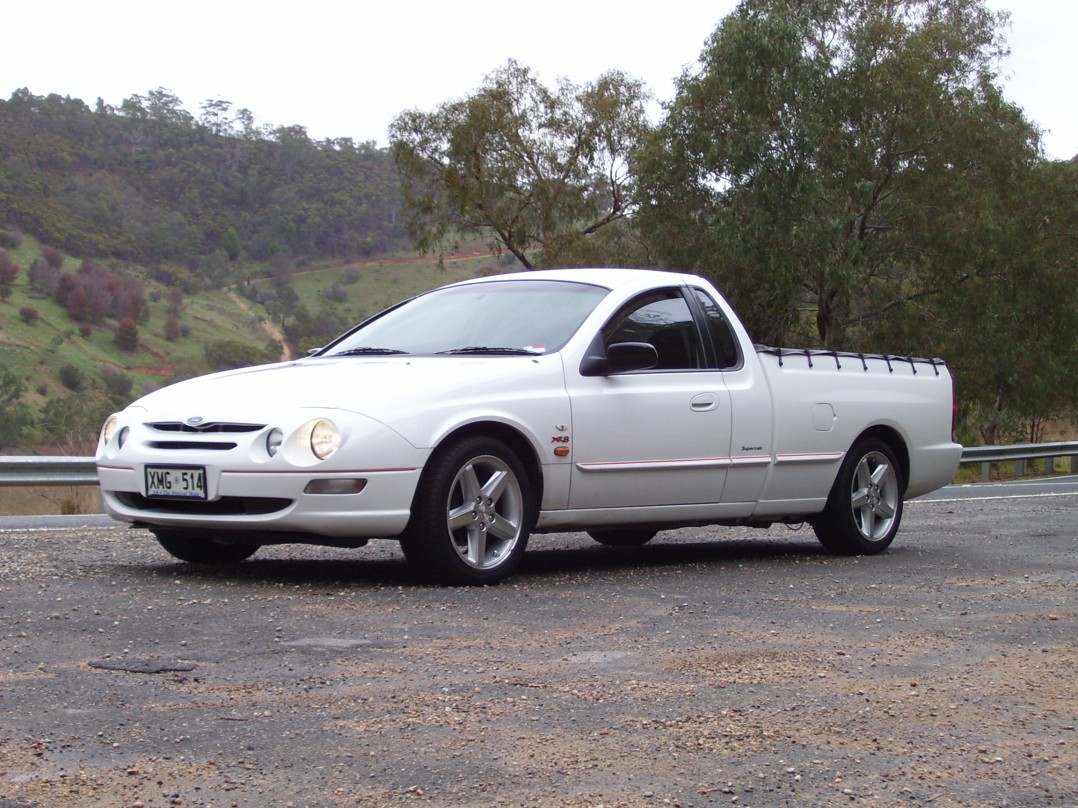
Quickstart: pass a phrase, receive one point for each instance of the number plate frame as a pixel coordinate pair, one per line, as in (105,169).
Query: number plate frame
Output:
(176,482)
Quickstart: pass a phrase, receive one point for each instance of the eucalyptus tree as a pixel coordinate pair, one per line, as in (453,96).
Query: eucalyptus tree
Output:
(533,169)
(827,159)
(1009,327)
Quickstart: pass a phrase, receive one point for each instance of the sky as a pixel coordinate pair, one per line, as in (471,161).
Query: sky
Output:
(346,69)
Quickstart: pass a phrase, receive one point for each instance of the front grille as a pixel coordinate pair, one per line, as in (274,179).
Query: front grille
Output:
(212,445)
(202,429)
(225,506)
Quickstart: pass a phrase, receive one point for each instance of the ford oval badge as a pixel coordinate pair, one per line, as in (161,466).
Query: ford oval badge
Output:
(196,419)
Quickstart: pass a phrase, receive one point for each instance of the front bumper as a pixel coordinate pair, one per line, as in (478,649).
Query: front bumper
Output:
(270,502)
(363,490)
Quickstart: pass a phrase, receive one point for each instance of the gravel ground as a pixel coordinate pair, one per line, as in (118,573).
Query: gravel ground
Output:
(711,667)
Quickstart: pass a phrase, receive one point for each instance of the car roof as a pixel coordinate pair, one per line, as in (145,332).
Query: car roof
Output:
(608,277)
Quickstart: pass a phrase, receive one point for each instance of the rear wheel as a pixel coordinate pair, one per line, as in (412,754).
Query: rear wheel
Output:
(864,508)
(202,547)
(472,514)
(623,537)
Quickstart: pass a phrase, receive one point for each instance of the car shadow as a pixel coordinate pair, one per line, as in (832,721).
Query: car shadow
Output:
(539,565)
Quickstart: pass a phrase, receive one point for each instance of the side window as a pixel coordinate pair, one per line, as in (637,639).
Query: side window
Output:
(721,335)
(661,318)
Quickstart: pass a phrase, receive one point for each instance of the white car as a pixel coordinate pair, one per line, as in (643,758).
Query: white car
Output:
(461,421)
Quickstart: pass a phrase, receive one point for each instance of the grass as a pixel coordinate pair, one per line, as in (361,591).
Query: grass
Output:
(383,283)
(971,472)
(50,500)
(38,350)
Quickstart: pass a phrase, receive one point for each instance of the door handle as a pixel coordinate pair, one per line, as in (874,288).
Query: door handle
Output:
(704,402)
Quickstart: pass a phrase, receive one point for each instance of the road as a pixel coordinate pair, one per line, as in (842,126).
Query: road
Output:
(711,667)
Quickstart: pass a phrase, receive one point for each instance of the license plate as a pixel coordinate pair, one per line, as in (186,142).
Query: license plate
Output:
(186,482)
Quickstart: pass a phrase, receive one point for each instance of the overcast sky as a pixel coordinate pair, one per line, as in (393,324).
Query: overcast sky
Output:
(345,69)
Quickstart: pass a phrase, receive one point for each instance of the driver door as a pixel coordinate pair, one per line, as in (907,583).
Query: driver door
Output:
(651,437)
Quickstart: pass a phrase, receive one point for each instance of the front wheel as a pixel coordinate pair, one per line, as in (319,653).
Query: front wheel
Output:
(472,514)
(864,508)
(197,547)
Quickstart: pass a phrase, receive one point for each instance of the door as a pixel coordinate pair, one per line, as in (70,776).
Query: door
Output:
(651,437)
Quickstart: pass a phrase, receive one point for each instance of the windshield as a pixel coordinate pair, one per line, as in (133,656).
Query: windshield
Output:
(494,317)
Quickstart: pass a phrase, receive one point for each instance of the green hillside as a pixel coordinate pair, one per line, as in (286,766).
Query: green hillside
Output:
(148,183)
(140,245)
(73,373)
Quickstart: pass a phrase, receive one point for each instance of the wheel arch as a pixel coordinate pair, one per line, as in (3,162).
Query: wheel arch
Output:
(511,437)
(895,443)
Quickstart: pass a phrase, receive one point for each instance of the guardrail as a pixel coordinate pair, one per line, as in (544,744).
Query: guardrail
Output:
(34,471)
(26,471)
(1020,453)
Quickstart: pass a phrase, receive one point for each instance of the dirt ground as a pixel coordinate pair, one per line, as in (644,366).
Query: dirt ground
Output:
(711,667)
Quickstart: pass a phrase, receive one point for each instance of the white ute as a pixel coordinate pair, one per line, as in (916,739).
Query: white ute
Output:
(461,421)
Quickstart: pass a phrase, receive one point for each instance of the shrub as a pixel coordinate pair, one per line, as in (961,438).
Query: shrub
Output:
(71,378)
(117,382)
(335,293)
(228,354)
(28,314)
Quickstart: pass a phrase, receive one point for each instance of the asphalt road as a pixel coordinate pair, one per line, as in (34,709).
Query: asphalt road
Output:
(711,667)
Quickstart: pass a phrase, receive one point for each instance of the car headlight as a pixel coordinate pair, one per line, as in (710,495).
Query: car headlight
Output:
(325,438)
(109,429)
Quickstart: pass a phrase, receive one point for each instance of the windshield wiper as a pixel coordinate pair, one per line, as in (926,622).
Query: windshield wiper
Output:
(483,349)
(367,351)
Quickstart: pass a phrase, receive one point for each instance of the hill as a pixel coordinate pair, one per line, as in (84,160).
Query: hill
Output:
(71,373)
(140,245)
(149,183)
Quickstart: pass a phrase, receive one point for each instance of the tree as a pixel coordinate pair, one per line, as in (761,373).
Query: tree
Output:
(1008,330)
(9,270)
(43,277)
(53,257)
(71,423)
(126,336)
(172,328)
(16,416)
(307,330)
(531,168)
(827,155)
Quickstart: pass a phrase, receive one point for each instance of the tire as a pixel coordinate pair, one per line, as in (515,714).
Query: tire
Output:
(864,508)
(472,515)
(623,537)
(201,547)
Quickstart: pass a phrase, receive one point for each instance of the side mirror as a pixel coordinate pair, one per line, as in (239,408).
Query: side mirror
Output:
(621,357)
